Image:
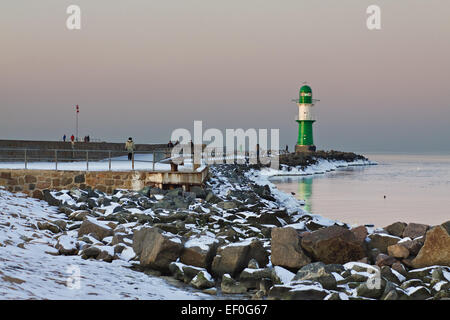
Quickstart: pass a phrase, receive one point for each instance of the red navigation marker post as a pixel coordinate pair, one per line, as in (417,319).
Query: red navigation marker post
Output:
(78,111)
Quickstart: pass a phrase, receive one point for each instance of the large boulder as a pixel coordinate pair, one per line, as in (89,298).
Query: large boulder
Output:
(199,252)
(360,267)
(415,230)
(286,249)
(391,275)
(281,275)
(396,229)
(251,278)
(106,256)
(334,244)
(48,197)
(398,251)
(385,260)
(382,241)
(267,218)
(61,224)
(400,268)
(79,215)
(230,286)
(98,230)
(258,253)
(233,258)
(202,280)
(415,291)
(360,233)
(317,272)
(436,249)
(67,245)
(121,237)
(413,246)
(156,248)
(91,252)
(48,226)
(372,290)
(184,272)
(299,290)
(392,291)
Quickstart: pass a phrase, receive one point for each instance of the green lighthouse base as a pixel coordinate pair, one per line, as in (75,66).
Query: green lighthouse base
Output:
(301,149)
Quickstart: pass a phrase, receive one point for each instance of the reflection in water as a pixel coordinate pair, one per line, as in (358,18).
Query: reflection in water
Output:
(417,190)
(305,192)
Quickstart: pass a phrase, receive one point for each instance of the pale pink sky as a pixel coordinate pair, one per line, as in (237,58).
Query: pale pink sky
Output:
(143,68)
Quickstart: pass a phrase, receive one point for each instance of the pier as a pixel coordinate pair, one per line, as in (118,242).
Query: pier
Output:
(31,167)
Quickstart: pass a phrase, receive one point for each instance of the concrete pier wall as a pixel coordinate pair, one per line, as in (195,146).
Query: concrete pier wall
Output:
(34,182)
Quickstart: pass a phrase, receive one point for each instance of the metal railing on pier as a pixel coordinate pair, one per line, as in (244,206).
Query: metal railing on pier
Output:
(115,160)
(78,159)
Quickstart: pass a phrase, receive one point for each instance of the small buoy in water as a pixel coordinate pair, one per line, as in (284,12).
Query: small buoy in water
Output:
(385,197)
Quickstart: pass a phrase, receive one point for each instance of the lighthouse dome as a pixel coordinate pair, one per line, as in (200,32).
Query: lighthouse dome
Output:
(305,94)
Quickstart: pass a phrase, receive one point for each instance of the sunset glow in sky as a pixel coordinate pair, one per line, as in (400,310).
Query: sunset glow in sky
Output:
(143,68)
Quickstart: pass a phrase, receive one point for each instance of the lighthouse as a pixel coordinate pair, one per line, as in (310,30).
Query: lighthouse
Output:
(305,120)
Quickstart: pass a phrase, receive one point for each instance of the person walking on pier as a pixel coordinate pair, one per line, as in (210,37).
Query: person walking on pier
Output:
(129,146)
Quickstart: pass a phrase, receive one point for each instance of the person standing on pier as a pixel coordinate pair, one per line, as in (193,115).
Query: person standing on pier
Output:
(129,146)
(64,138)
(191,144)
(72,144)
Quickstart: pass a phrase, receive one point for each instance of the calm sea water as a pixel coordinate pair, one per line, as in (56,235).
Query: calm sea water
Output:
(417,189)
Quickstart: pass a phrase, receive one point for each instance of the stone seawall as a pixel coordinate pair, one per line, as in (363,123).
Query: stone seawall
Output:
(34,182)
